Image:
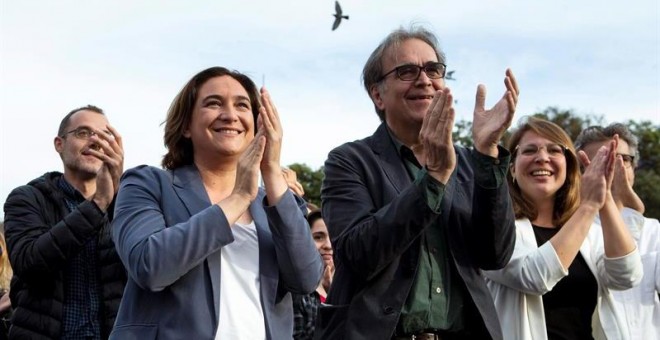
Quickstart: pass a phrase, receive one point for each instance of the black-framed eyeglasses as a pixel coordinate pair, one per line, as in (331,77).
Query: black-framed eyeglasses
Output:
(411,72)
(83,132)
(628,160)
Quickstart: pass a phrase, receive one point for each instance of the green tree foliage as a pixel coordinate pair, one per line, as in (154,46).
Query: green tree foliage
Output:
(649,144)
(570,121)
(647,185)
(647,175)
(311,181)
(462,134)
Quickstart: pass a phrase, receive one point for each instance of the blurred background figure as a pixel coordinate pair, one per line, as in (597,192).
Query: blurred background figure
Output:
(639,306)
(291,179)
(5,280)
(305,307)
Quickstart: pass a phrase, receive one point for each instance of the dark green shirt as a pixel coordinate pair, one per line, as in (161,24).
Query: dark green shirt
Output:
(436,299)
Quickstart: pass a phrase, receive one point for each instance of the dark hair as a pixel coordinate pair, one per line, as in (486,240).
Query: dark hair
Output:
(567,197)
(313,216)
(179,115)
(64,124)
(597,134)
(373,69)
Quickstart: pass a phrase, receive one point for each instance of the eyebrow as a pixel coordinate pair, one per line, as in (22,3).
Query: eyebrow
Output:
(89,128)
(218,97)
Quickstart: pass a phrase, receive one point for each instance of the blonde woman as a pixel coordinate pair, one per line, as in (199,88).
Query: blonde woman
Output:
(5,280)
(556,285)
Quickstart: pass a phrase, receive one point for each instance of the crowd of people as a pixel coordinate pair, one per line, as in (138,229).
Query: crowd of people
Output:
(416,237)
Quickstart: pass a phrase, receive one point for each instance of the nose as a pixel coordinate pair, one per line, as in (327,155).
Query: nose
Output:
(94,142)
(327,245)
(229,114)
(542,155)
(423,79)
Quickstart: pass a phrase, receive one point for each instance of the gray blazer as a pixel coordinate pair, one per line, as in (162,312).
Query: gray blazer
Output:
(169,236)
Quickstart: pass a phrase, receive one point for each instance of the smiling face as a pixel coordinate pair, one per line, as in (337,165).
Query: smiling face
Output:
(322,240)
(74,151)
(406,102)
(222,122)
(539,174)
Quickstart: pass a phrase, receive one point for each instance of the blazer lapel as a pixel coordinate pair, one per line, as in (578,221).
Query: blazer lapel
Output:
(525,229)
(188,186)
(394,168)
(190,189)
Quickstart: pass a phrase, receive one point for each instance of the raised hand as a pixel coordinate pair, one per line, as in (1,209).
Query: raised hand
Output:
(108,148)
(247,171)
(597,177)
(436,149)
(270,123)
(291,179)
(488,126)
(328,274)
(622,189)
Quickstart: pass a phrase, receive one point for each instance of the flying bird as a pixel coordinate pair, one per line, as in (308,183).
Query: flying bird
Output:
(450,75)
(338,16)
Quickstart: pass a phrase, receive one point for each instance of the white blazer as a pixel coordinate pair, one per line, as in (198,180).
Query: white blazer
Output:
(517,289)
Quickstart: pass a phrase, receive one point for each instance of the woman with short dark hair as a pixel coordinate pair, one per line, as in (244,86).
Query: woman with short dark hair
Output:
(209,253)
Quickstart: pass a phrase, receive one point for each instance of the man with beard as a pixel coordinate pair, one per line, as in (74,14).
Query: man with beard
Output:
(68,280)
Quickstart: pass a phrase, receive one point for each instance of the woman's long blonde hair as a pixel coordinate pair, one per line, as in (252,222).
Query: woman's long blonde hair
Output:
(5,267)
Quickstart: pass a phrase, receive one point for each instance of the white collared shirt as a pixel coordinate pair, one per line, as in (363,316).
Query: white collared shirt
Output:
(241,314)
(640,306)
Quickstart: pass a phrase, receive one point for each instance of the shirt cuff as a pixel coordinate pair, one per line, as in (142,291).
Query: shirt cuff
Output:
(432,190)
(490,172)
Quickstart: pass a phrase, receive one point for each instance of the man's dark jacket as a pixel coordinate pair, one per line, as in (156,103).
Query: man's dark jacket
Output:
(42,236)
(377,219)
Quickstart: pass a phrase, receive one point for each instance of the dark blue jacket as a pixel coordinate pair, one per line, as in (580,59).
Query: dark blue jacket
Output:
(42,235)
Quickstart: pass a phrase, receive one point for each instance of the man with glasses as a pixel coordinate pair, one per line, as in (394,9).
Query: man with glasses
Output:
(413,217)
(68,280)
(640,305)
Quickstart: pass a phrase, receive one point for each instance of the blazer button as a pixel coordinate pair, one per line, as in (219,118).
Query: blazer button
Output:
(388,310)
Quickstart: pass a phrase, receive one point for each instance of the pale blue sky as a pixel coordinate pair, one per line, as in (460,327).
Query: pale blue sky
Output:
(132,57)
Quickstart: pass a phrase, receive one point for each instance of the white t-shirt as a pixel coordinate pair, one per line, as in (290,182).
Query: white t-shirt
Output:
(241,314)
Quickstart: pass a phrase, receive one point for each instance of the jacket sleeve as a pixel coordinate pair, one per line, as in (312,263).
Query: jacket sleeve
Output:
(618,273)
(299,262)
(532,270)
(157,254)
(367,238)
(491,231)
(35,245)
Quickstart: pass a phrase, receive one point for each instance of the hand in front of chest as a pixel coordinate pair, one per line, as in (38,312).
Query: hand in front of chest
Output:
(246,186)
(436,148)
(108,147)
